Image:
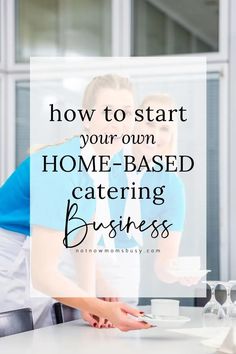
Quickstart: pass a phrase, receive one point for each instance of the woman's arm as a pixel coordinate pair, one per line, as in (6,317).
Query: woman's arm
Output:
(46,248)
(169,249)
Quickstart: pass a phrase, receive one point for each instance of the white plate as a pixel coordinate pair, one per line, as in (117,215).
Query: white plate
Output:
(164,321)
(189,273)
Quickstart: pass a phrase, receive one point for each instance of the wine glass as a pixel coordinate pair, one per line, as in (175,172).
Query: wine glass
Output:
(228,304)
(232,309)
(213,310)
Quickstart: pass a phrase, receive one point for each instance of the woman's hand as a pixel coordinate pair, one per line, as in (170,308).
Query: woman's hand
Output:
(95,321)
(189,281)
(98,322)
(118,314)
(165,275)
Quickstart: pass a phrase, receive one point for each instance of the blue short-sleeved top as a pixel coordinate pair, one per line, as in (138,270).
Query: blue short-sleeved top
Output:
(15,200)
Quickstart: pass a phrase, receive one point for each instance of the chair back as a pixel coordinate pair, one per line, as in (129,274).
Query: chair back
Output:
(16,321)
(65,313)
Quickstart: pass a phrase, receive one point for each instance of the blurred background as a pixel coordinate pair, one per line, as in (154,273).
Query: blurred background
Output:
(131,28)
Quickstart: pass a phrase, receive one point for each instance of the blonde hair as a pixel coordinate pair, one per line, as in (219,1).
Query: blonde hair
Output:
(110,81)
(98,83)
(163,99)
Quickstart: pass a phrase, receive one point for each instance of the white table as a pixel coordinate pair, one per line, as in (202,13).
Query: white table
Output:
(77,337)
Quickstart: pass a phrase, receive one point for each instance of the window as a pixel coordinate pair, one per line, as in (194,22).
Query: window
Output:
(175,27)
(213,153)
(58,28)
(22,129)
(2,128)
(2,33)
(100,28)
(213,200)
(1,16)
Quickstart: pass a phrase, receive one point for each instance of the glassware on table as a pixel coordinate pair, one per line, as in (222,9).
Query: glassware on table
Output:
(213,311)
(232,310)
(228,305)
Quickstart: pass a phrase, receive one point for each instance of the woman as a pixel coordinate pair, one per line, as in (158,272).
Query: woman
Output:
(173,209)
(16,226)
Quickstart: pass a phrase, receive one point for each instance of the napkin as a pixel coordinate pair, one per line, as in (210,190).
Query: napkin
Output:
(228,345)
(204,332)
(222,339)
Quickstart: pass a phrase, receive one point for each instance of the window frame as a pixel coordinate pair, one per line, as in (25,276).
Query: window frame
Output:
(2,36)
(2,128)
(10,124)
(232,142)
(11,64)
(224,237)
(121,34)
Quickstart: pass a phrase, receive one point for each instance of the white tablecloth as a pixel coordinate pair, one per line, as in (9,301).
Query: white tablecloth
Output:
(77,337)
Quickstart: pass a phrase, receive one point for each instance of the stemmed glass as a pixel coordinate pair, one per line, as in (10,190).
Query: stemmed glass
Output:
(232,309)
(228,304)
(213,309)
